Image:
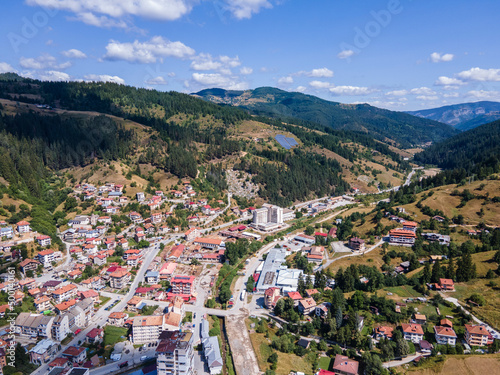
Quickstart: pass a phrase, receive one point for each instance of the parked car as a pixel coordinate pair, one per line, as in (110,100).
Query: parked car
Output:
(123,364)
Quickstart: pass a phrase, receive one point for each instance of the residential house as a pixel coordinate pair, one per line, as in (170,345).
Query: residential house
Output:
(34,325)
(322,309)
(152,277)
(23,227)
(271,296)
(134,303)
(446,285)
(64,293)
(208,243)
(117,318)
(419,319)
(357,244)
(295,296)
(381,332)
(307,306)
(77,355)
(42,303)
(46,257)
(28,265)
(345,366)
(44,240)
(413,332)
(477,335)
(120,278)
(176,252)
(445,335)
(43,351)
(95,335)
(167,269)
(410,226)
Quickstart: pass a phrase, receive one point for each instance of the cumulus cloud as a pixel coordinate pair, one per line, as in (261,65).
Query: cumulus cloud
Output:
(481,75)
(422,91)
(285,80)
(351,90)
(92,10)
(451,95)
(205,61)
(147,52)
(5,68)
(316,73)
(74,54)
(397,93)
(104,78)
(157,81)
(246,8)
(99,21)
(440,57)
(53,75)
(219,80)
(246,71)
(301,89)
(448,81)
(320,84)
(44,61)
(345,54)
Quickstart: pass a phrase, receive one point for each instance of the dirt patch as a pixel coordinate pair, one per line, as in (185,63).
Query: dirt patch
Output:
(477,365)
(245,361)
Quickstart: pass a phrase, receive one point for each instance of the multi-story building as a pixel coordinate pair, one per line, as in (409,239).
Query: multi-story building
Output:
(42,303)
(46,257)
(117,318)
(209,243)
(147,329)
(175,355)
(307,306)
(357,244)
(44,240)
(60,327)
(64,293)
(28,265)
(182,284)
(75,354)
(445,335)
(43,351)
(402,236)
(119,279)
(23,227)
(413,332)
(34,325)
(476,335)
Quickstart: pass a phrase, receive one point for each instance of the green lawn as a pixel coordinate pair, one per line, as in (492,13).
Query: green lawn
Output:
(404,291)
(324,363)
(104,300)
(113,334)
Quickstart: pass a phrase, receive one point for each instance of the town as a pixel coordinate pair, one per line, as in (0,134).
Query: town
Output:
(146,281)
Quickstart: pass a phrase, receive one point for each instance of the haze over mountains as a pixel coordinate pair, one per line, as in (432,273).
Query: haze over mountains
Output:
(463,116)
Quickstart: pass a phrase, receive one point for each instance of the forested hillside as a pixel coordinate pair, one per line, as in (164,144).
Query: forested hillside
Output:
(476,151)
(402,128)
(82,122)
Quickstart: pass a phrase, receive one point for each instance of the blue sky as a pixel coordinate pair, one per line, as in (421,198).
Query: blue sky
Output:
(396,54)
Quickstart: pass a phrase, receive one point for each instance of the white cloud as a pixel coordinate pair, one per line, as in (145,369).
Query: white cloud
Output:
(482,75)
(320,84)
(74,54)
(351,90)
(345,54)
(205,61)
(484,95)
(285,80)
(316,73)
(44,61)
(301,89)
(147,52)
(246,8)
(422,91)
(428,97)
(219,80)
(157,81)
(323,72)
(6,68)
(162,10)
(53,75)
(104,78)
(448,81)
(246,71)
(451,95)
(397,93)
(439,57)
(99,21)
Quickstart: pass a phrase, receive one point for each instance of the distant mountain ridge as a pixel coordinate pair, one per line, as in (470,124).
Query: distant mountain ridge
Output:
(404,129)
(463,116)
